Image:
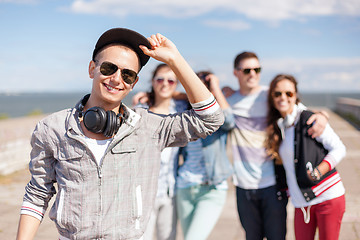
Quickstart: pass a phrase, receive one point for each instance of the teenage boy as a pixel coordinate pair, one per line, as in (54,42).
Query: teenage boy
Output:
(103,155)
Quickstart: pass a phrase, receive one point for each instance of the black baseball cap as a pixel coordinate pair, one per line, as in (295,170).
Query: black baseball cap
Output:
(126,37)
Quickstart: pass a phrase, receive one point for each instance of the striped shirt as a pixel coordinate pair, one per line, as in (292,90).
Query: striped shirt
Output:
(253,169)
(193,171)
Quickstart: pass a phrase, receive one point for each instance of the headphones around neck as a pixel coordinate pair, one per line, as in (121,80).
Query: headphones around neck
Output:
(97,120)
(286,122)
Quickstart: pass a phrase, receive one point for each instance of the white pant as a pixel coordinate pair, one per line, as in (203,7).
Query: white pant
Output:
(163,219)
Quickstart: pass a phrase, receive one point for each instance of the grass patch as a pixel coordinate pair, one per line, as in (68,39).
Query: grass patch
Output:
(4,116)
(5,179)
(35,112)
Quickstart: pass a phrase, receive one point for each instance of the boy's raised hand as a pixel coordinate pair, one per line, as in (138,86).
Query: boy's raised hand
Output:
(162,49)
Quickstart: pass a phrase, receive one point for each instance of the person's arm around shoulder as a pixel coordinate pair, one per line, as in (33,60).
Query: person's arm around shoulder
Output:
(319,121)
(216,91)
(228,91)
(139,98)
(179,96)
(143,97)
(221,99)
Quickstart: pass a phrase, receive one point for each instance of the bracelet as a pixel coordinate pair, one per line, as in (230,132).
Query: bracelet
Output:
(313,175)
(320,175)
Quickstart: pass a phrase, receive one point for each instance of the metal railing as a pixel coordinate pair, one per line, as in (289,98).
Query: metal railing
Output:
(350,109)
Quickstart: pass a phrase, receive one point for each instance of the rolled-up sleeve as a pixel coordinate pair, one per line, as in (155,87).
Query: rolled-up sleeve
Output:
(40,189)
(334,145)
(202,120)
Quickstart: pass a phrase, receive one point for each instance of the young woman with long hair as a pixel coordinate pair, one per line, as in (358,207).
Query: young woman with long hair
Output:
(314,185)
(159,100)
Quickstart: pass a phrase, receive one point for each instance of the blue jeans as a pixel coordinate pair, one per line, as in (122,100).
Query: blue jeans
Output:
(198,209)
(261,213)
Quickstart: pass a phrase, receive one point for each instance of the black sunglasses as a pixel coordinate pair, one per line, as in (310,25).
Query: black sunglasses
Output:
(248,70)
(108,68)
(278,94)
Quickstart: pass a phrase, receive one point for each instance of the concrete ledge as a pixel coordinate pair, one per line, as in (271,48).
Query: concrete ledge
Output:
(15,147)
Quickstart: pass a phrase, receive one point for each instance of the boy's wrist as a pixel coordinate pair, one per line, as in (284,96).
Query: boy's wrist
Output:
(325,114)
(174,59)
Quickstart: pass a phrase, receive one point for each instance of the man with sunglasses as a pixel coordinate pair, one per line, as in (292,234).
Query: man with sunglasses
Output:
(260,204)
(104,156)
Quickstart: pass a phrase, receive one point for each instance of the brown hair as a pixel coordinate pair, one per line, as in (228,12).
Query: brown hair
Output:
(202,75)
(242,56)
(273,132)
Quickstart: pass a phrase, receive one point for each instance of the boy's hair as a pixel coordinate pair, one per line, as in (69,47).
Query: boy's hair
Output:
(242,56)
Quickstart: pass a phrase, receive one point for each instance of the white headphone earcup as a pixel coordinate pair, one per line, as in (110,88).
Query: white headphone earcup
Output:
(289,121)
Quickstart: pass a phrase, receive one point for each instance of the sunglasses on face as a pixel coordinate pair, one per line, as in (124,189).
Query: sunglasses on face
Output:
(161,80)
(248,70)
(288,94)
(108,69)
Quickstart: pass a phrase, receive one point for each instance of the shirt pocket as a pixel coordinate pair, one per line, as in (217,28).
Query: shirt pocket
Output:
(70,151)
(70,165)
(124,154)
(124,148)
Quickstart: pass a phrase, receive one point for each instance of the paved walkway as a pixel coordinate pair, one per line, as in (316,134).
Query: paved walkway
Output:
(228,226)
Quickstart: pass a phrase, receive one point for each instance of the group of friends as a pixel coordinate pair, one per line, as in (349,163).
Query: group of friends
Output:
(123,173)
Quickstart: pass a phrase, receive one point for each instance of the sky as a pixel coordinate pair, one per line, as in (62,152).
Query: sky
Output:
(46,45)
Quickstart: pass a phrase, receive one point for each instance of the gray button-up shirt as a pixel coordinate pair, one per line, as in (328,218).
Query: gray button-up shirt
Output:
(112,200)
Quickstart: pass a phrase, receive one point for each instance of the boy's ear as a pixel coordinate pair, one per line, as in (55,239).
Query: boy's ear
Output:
(235,72)
(133,85)
(92,66)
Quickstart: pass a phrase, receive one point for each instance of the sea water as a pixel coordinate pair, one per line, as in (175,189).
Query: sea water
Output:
(23,104)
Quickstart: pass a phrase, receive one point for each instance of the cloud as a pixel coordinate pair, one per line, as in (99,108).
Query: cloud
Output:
(121,8)
(312,74)
(264,10)
(342,77)
(318,74)
(303,64)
